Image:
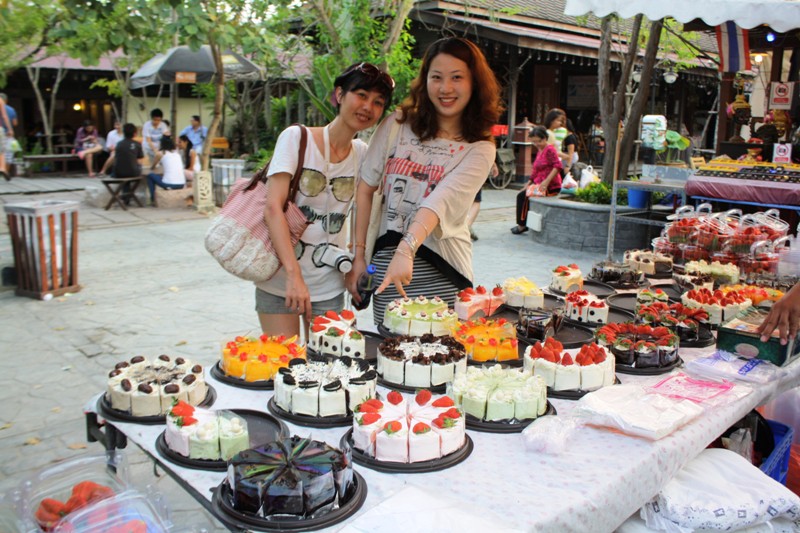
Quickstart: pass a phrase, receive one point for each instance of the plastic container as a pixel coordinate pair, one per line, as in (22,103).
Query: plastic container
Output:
(771,224)
(776,465)
(684,224)
(691,252)
(128,511)
(224,173)
(762,261)
(663,245)
(713,233)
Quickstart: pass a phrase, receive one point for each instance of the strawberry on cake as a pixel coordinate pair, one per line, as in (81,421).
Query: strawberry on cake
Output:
(589,369)
(204,434)
(567,278)
(471,301)
(401,431)
(335,334)
(720,306)
(582,306)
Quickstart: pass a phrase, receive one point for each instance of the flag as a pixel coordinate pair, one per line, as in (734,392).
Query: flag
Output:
(734,48)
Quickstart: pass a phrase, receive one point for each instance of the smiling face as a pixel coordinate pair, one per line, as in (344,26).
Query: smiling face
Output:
(449,85)
(360,108)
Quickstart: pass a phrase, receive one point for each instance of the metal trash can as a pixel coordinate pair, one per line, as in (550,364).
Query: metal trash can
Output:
(224,173)
(44,236)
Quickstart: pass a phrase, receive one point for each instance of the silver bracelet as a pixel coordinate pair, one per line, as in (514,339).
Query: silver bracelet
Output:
(409,238)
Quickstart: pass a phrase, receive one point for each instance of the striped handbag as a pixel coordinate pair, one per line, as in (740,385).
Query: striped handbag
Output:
(238,237)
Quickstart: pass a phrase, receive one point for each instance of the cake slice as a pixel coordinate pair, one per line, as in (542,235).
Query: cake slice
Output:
(391,442)
(424,444)
(233,434)
(568,375)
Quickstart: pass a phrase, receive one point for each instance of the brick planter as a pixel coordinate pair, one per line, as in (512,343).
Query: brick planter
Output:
(584,227)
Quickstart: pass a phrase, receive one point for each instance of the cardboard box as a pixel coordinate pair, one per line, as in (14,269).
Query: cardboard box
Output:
(739,336)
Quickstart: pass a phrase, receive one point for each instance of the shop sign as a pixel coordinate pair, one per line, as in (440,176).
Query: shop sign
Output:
(782,153)
(780,95)
(185,77)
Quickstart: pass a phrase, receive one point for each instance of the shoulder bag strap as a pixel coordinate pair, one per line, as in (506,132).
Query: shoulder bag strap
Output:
(394,131)
(262,174)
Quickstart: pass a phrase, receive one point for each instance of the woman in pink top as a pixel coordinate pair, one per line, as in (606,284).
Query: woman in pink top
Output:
(545,177)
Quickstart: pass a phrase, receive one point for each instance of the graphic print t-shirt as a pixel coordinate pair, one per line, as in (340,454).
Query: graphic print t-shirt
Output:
(324,197)
(441,175)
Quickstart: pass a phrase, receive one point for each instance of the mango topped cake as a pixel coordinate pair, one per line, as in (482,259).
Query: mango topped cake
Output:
(522,292)
(471,301)
(259,358)
(496,393)
(567,278)
(418,316)
(488,339)
(335,334)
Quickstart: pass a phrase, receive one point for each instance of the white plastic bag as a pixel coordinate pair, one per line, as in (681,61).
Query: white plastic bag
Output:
(549,434)
(569,183)
(724,365)
(588,176)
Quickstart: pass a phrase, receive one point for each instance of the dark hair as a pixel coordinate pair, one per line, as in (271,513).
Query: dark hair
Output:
(364,76)
(167,143)
(128,130)
(539,131)
(570,126)
(87,122)
(156,113)
(196,117)
(552,115)
(187,152)
(484,107)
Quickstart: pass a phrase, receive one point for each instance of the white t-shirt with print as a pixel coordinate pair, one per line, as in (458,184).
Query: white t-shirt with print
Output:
(441,175)
(325,195)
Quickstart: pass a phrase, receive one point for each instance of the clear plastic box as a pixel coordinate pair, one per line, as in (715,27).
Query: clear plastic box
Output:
(128,512)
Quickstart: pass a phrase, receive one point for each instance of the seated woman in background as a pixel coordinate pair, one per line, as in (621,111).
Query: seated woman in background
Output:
(191,161)
(545,177)
(172,164)
(87,144)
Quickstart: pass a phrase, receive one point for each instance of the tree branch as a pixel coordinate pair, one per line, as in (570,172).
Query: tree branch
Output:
(325,20)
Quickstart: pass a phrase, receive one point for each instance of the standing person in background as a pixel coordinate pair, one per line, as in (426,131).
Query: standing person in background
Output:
(554,121)
(152,131)
(7,123)
(308,283)
(440,153)
(196,133)
(87,144)
(114,136)
(545,177)
(569,147)
(6,128)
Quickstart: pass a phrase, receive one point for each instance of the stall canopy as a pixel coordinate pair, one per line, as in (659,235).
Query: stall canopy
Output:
(780,15)
(162,68)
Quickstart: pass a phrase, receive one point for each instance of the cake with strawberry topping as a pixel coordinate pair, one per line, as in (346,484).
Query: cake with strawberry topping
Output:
(685,321)
(149,388)
(259,358)
(522,292)
(400,431)
(582,306)
(567,278)
(324,388)
(646,297)
(488,339)
(640,345)
(426,361)
(500,394)
(335,334)
(720,306)
(470,302)
(589,369)
(204,434)
(418,316)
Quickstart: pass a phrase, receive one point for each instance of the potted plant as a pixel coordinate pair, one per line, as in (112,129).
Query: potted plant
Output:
(676,143)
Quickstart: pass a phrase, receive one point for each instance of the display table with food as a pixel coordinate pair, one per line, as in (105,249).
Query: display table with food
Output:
(603,478)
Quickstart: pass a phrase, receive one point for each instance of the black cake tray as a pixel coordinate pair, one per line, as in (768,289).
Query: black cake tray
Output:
(592,286)
(421,467)
(615,316)
(241,521)
(309,421)
(371,342)
(261,427)
(405,388)
(551,303)
(704,339)
(569,335)
(651,371)
(627,301)
(623,286)
(572,394)
(220,375)
(504,426)
(105,410)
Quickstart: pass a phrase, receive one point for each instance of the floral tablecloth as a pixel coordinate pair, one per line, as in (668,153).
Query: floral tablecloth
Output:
(602,478)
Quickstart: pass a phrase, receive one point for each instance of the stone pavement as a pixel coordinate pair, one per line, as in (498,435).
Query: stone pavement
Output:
(149,287)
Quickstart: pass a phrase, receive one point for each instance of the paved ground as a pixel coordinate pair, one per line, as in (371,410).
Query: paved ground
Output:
(149,287)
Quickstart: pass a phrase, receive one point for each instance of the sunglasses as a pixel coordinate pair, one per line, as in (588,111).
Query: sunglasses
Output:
(331,222)
(313,182)
(373,72)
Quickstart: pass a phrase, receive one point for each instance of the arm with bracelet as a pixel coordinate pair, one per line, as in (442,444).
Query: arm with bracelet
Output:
(401,268)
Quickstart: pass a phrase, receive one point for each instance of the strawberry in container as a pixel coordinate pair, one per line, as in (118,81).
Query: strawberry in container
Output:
(692,252)
(684,223)
(771,224)
(725,256)
(762,261)
(662,245)
(713,233)
(748,233)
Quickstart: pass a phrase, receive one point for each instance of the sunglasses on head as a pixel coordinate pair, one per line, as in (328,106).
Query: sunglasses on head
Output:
(373,73)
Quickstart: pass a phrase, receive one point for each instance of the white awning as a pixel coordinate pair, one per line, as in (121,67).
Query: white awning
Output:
(780,15)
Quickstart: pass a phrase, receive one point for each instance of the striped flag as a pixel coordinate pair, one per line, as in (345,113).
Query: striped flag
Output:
(734,48)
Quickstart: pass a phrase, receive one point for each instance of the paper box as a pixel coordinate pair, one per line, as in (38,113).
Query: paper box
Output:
(739,336)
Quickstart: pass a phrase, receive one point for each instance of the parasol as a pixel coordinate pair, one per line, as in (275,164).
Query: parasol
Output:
(161,69)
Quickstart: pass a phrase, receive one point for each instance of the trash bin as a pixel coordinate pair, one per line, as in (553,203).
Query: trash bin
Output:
(44,236)
(224,173)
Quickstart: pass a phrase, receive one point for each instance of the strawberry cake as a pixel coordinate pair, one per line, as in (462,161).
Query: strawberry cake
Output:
(582,306)
(259,358)
(591,368)
(567,278)
(647,297)
(471,301)
(488,339)
(149,388)
(401,431)
(720,306)
(324,388)
(640,345)
(335,334)
(421,362)
(522,292)
(203,434)
(497,393)
(418,316)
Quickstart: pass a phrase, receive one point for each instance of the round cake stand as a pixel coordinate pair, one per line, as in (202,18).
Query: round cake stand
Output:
(421,467)
(105,410)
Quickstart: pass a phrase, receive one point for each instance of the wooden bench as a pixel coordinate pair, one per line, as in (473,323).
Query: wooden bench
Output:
(220,147)
(31,160)
(117,187)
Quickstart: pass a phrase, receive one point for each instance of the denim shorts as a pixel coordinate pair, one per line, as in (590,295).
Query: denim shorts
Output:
(269,304)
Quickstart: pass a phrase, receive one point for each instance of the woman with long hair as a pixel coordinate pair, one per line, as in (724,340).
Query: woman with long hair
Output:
(309,282)
(191,161)
(432,155)
(545,177)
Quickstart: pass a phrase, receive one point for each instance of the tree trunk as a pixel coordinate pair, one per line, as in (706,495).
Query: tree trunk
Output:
(396,28)
(61,73)
(219,99)
(33,76)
